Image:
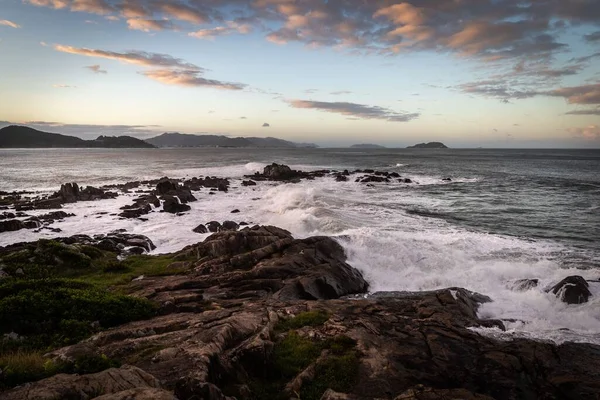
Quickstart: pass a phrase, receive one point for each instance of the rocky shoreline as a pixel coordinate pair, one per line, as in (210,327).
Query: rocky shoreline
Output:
(257,314)
(249,313)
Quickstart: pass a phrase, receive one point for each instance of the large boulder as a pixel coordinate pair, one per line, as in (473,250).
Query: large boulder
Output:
(11,225)
(278,171)
(165,185)
(172,205)
(572,290)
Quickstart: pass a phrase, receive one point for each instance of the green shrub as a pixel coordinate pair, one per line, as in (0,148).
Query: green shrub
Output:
(56,312)
(308,318)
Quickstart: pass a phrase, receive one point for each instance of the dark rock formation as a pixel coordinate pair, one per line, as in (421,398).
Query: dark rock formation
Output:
(572,290)
(71,193)
(208,182)
(200,229)
(141,206)
(165,185)
(172,205)
(248,183)
(167,188)
(229,226)
(281,172)
(213,226)
(522,285)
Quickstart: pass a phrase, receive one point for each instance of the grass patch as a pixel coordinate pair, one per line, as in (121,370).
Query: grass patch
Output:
(21,367)
(308,318)
(294,353)
(57,312)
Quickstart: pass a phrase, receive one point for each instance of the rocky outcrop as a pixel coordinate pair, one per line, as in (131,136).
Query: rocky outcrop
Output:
(71,193)
(257,314)
(141,206)
(168,189)
(221,184)
(112,383)
(173,205)
(572,290)
(281,172)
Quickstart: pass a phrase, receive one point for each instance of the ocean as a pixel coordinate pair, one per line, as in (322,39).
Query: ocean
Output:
(505,215)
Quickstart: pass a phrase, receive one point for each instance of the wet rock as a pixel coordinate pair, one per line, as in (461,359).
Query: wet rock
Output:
(141,206)
(407,180)
(166,185)
(229,226)
(207,182)
(11,225)
(172,205)
(522,285)
(374,178)
(213,226)
(53,216)
(71,193)
(341,178)
(572,290)
(7,215)
(200,229)
(248,183)
(447,179)
(235,211)
(394,175)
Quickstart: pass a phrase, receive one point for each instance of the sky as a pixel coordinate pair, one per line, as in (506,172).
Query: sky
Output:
(469,73)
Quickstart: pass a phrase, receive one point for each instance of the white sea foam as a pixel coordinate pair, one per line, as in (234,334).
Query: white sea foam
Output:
(394,249)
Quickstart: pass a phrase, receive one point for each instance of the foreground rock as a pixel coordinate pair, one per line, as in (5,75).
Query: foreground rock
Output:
(257,314)
(572,290)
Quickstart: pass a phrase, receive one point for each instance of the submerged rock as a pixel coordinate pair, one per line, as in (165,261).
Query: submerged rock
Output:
(572,290)
(522,285)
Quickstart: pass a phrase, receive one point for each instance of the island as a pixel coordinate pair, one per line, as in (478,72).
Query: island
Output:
(15,136)
(366,146)
(430,145)
(175,139)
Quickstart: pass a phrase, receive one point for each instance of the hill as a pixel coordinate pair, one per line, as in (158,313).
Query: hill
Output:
(430,145)
(366,146)
(186,140)
(15,136)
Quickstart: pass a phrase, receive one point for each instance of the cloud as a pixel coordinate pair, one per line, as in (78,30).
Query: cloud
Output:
(96,69)
(163,67)
(147,25)
(266,125)
(63,86)
(132,57)
(230,28)
(355,110)
(44,44)
(243,118)
(340,92)
(588,111)
(585,94)
(11,24)
(593,37)
(189,78)
(484,29)
(591,132)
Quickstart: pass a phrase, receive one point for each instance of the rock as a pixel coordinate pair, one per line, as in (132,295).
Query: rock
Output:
(141,206)
(53,216)
(173,206)
(139,394)
(69,192)
(165,185)
(374,178)
(200,229)
(84,387)
(207,182)
(341,178)
(11,225)
(522,285)
(236,211)
(248,183)
(572,290)
(278,171)
(229,226)
(394,175)
(213,226)
(421,392)
(407,180)
(222,187)
(447,179)
(7,215)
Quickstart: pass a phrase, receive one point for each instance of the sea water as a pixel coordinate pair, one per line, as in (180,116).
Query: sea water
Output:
(504,215)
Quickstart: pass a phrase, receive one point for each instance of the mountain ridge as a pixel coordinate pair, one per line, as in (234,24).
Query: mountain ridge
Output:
(18,136)
(176,139)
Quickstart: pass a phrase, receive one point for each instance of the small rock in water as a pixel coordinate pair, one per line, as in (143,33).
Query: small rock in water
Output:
(200,229)
(522,285)
(235,211)
(572,290)
(229,226)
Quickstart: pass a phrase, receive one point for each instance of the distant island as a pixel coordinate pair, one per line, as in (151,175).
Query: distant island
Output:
(366,146)
(430,145)
(15,136)
(186,140)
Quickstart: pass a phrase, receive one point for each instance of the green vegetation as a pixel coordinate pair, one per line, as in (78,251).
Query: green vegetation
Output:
(58,294)
(57,312)
(335,361)
(308,318)
(21,367)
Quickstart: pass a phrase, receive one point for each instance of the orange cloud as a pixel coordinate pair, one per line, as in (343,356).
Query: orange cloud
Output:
(148,25)
(6,22)
(188,78)
(591,132)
